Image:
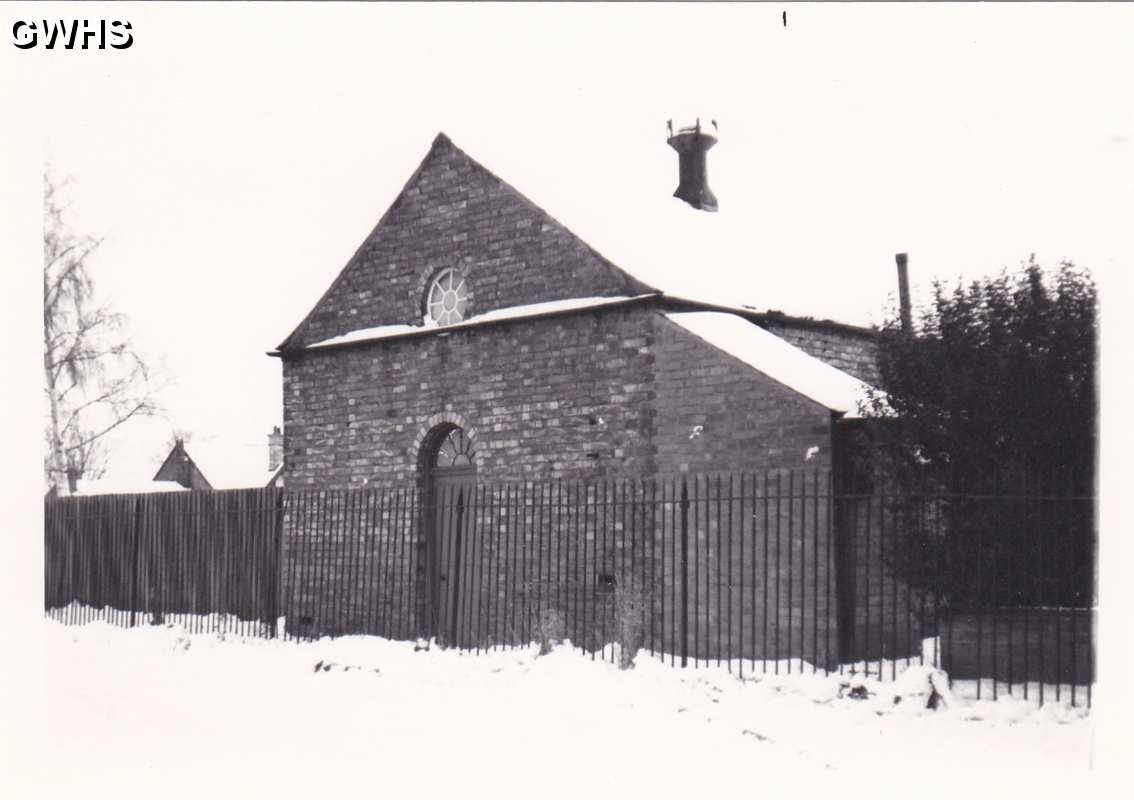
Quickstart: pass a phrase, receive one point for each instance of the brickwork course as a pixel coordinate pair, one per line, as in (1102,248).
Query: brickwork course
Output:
(617,391)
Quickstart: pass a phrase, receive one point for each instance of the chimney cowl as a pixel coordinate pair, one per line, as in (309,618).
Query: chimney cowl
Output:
(692,144)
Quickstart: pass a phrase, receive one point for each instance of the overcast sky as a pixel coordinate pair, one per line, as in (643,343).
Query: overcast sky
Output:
(236,156)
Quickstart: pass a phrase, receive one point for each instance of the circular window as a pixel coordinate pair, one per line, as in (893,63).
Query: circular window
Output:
(448,298)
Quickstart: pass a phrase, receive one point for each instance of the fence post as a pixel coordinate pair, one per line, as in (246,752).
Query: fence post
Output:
(455,578)
(278,566)
(134,559)
(684,572)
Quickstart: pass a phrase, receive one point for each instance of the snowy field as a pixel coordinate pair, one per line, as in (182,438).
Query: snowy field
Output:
(161,712)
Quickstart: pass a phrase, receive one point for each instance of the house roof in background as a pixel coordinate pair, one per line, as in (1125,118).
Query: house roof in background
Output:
(231,464)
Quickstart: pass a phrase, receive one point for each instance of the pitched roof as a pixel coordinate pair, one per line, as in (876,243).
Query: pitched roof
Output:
(180,467)
(783,362)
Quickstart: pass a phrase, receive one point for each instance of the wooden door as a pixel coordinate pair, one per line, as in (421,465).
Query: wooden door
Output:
(457,556)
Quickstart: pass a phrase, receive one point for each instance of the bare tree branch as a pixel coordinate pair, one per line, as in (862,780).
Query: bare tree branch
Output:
(140,408)
(94,380)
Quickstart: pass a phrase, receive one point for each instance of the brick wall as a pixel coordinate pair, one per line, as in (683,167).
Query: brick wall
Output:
(566,398)
(717,414)
(1014,645)
(747,420)
(851,351)
(609,393)
(561,397)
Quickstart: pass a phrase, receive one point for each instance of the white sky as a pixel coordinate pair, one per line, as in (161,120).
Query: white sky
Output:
(235,157)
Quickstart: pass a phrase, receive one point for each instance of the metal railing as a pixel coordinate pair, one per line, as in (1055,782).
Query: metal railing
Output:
(769,572)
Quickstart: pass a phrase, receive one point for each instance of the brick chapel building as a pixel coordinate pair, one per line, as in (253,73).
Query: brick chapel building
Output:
(471,315)
(473,337)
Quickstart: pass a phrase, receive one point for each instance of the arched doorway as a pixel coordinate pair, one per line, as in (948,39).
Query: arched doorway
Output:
(449,472)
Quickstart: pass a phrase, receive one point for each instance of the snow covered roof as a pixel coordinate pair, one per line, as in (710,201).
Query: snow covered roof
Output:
(120,486)
(231,464)
(776,358)
(497,315)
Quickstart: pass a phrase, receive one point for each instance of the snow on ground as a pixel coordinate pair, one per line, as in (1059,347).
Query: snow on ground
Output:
(159,709)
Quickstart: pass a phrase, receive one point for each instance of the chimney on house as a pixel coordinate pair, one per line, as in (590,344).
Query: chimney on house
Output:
(72,479)
(275,448)
(692,144)
(904,291)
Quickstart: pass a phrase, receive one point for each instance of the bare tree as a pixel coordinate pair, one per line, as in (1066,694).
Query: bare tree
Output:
(94,380)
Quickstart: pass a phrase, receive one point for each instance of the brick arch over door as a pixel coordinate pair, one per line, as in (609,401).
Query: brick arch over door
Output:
(423,448)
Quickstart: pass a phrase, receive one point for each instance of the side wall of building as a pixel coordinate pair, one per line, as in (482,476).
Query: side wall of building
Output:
(760,551)
(716,413)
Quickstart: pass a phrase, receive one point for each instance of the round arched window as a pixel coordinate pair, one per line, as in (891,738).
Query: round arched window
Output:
(448,298)
(455,450)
